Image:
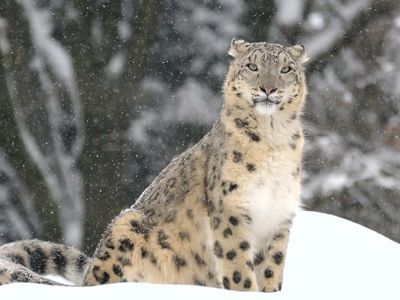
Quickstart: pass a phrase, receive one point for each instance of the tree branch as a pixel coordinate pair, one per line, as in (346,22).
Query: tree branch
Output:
(358,24)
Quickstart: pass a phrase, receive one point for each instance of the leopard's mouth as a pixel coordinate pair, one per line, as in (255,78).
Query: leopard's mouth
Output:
(266,100)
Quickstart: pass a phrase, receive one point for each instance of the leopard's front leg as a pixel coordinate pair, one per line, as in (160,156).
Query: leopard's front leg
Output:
(233,250)
(270,261)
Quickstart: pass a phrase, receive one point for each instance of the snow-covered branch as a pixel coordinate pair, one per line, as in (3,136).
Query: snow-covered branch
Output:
(18,218)
(56,158)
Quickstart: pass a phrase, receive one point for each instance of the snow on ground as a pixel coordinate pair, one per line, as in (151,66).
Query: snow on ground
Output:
(328,258)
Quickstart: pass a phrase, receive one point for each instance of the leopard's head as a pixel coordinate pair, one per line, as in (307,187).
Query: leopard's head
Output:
(265,77)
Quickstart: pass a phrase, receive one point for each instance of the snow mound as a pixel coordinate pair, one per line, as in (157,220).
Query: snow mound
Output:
(328,258)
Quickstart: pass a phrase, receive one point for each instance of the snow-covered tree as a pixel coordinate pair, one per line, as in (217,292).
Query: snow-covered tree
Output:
(47,109)
(18,219)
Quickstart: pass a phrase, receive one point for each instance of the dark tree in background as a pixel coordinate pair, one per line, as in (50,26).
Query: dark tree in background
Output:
(97,96)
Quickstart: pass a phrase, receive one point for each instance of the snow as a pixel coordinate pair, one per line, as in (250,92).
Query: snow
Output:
(321,42)
(316,21)
(138,128)
(289,12)
(41,30)
(124,30)
(4,44)
(116,65)
(328,258)
(196,103)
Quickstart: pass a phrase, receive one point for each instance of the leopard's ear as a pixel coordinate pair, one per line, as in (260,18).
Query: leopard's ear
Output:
(298,52)
(237,47)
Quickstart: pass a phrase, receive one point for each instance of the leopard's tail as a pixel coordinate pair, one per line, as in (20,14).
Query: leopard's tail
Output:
(29,260)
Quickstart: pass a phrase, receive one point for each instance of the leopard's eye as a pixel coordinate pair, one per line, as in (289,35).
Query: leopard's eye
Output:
(252,67)
(286,69)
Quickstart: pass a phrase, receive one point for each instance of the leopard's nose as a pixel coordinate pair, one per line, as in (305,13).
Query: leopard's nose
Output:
(268,91)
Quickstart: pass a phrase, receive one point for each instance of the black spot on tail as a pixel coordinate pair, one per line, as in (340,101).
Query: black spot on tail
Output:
(59,260)
(17,259)
(81,262)
(19,276)
(37,260)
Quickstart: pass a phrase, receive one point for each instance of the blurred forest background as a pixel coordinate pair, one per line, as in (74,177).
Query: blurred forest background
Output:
(97,96)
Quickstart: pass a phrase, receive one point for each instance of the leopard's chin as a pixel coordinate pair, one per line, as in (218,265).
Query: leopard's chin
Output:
(266,107)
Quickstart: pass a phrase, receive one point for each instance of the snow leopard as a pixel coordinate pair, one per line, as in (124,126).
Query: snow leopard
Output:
(220,213)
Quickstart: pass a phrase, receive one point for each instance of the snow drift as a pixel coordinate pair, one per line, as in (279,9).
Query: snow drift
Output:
(328,258)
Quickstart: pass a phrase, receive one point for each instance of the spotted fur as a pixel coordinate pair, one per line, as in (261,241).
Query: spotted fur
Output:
(27,260)
(219,214)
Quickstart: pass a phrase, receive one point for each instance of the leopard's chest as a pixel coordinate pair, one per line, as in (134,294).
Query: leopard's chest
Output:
(273,198)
